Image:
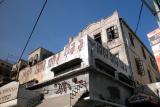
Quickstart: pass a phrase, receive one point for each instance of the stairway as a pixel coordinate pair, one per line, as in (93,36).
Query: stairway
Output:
(76,93)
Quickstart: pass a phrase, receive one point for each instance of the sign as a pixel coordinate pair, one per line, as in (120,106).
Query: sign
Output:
(97,51)
(9,92)
(75,49)
(154,39)
(35,72)
(43,70)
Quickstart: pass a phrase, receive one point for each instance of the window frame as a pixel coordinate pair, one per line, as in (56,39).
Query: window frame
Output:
(98,38)
(112,32)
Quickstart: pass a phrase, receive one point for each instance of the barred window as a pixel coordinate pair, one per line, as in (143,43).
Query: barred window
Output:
(139,65)
(112,33)
(131,39)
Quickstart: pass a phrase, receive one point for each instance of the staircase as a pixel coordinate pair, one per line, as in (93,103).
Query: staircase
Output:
(76,93)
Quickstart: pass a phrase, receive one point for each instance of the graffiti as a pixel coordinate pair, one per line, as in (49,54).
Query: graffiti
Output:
(71,48)
(62,87)
(65,86)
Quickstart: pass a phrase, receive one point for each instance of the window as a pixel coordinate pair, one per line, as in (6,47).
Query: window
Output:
(97,38)
(112,33)
(143,52)
(131,39)
(35,58)
(30,61)
(153,63)
(149,76)
(139,65)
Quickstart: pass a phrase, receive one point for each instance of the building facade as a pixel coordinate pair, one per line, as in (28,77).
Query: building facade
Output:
(99,67)
(5,69)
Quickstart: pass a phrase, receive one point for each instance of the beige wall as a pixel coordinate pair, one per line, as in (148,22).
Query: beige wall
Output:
(115,46)
(136,52)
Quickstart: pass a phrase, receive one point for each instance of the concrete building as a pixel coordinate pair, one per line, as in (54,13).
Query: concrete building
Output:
(16,68)
(99,67)
(38,55)
(5,69)
(129,64)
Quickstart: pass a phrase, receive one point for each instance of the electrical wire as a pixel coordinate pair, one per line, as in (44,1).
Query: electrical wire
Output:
(139,17)
(32,30)
(31,33)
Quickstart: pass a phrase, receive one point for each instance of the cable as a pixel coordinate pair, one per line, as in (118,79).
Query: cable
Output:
(33,30)
(31,33)
(139,17)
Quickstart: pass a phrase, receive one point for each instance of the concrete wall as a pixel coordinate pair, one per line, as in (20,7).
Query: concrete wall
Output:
(116,45)
(105,88)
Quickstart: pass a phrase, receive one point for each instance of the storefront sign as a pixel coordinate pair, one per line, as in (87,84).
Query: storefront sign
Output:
(9,92)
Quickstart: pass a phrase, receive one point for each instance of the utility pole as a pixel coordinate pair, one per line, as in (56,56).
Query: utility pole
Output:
(154,7)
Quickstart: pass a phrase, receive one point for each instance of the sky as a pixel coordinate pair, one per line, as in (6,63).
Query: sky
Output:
(60,20)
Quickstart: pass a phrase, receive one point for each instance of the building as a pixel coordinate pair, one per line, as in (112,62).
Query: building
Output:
(16,68)
(38,55)
(99,67)
(5,69)
(155,44)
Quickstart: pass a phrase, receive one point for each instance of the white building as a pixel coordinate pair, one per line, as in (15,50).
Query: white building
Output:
(97,68)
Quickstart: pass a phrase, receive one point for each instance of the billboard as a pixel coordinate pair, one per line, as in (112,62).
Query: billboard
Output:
(154,39)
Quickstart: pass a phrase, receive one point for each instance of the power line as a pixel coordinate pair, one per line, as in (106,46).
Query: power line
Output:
(139,17)
(31,35)
(33,30)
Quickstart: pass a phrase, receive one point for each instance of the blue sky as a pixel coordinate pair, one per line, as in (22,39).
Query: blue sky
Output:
(60,20)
